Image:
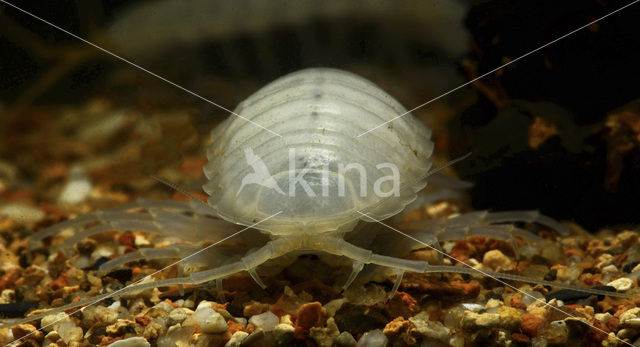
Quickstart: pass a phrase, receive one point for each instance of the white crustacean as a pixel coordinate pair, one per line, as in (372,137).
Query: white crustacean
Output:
(318,114)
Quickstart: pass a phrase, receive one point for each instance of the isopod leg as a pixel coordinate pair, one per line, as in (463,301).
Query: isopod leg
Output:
(169,252)
(341,247)
(491,218)
(187,228)
(152,204)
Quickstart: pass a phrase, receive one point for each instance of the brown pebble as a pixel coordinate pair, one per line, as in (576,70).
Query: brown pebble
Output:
(571,252)
(516,302)
(252,308)
(461,251)
(86,246)
(396,327)
(22,330)
(529,324)
(59,282)
(595,336)
(143,320)
(521,338)
(29,343)
(235,326)
(309,315)
(127,239)
(468,289)
(402,304)
(613,323)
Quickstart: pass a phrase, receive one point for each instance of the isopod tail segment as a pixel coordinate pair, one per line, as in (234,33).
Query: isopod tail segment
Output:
(322,243)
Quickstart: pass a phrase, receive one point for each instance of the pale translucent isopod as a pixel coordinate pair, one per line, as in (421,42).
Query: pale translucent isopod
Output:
(319,114)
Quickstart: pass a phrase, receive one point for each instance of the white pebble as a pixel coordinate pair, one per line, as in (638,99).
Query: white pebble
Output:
(267,321)
(204,304)
(21,213)
(69,332)
(473,307)
(621,284)
(77,189)
(373,338)
(131,342)
(214,324)
(52,321)
(236,339)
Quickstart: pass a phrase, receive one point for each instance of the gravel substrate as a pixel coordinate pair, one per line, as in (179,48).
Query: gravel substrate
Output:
(303,304)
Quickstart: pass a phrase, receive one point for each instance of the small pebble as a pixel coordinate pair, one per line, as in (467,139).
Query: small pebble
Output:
(333,306)
(428,328)
(509,317)
(631,318)
(496,259)
(532,296)
(51,338)
(177,315)
(165,306)
(345,340)
(621,284)
(284,334)
(267,321)
(69,332)
(472,320)
(21,213)
(120,327)
(473,307)
(98,314)
(373,338)
(557,332)
(214,324)
(236,339)
(51,322)
(325,336)
(22,330)
(131,342)
(77,189)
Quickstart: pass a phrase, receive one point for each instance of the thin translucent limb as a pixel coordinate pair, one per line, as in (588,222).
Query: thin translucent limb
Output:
(529,217)
(170,252)
(341,247)
(189,228)
(149,204)
(357,267)
(396,283)
(490,218)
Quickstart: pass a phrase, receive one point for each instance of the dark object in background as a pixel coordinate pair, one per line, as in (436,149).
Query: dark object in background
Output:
(16,309)
(568,294)
(564,155)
